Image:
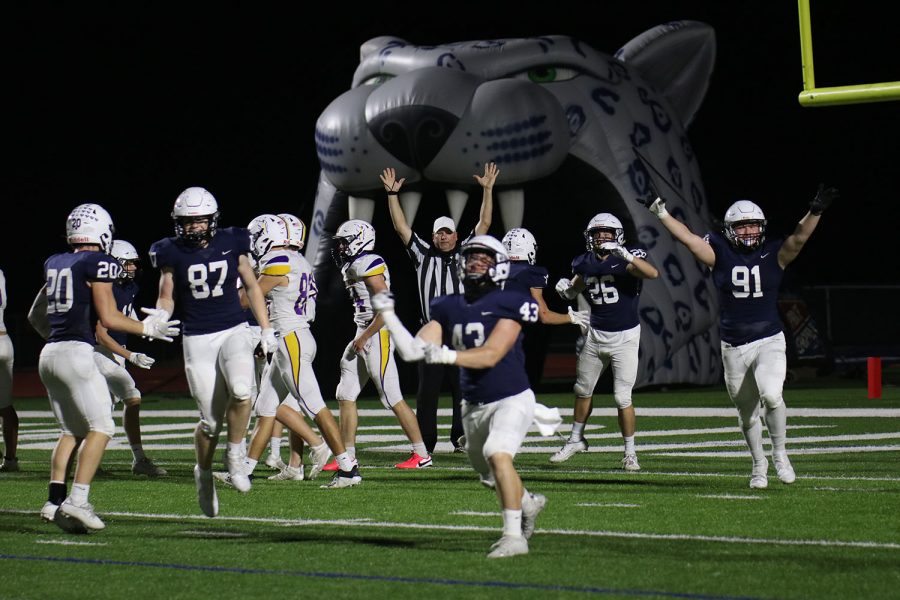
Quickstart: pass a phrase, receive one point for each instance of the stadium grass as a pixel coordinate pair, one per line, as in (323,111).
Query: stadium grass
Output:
(686,526)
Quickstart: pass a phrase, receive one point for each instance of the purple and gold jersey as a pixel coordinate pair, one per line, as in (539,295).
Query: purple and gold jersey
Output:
(748,284)
(523,277)
(613,293)
(70,303)
(124,291)
(468,325)
(206,291)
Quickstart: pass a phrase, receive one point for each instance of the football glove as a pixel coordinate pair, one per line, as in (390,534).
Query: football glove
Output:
(141,360)
(658,207)
(564,288)
(440,355)
(617,250)
(267,342)
(383,301)
(582,318)
(824,197)
(157,325)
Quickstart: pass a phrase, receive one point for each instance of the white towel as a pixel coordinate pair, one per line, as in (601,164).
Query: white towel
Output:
(547,420)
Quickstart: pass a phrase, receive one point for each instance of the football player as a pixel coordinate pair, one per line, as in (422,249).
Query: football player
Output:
(370,355)
(484,328)
(747,267)
(199,267)
(610,275)
(78,292)
(8,414)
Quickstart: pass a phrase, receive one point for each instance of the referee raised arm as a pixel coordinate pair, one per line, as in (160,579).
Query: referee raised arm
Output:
(436,275)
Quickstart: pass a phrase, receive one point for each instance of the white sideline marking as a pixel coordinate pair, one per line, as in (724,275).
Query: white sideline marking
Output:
(567,532)
(730,497)
(472,513)
(607,505)
(69,543)
(793,452)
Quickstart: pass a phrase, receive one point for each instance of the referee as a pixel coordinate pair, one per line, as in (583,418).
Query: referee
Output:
(436,275)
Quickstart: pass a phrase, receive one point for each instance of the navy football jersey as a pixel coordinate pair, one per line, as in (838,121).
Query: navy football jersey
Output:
(748,284)
(70,303)
(125,292)
(206,292)
(523,277)
(613,293)
(468,325)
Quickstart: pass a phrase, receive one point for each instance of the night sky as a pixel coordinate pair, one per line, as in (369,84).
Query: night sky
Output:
(129,106)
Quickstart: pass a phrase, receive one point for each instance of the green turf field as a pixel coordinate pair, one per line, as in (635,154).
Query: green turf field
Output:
(686,526)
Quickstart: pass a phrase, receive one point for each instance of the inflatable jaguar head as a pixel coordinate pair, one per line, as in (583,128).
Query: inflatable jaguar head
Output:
(574,132)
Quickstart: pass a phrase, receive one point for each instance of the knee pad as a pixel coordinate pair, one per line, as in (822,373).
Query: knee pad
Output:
(750,423)
(581,390)
(241,389)
(772,402)
(347,391)
(106,427)
(623,403)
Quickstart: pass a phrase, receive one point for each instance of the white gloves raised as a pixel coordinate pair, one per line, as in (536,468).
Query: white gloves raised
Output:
(157,325)
(617,250)
(564,288)
(141,360)
(267,341)
(440,355)
(658,208)
(383,301)
(582,318)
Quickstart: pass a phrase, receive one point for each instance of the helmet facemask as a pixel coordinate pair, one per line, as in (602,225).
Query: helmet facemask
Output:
(483,265)
(352,239)
(196,237)
(746,240)
(598,236)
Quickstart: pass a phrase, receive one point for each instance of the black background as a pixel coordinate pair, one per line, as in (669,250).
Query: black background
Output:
(128,106)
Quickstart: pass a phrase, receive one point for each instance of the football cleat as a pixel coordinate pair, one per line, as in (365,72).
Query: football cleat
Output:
(273,461)
(48,511)
(570,449)
(759,480)
(343,479)
(238,475)
(9,465)
(532,505)
(145,466)
(332,466)
(206,492)
(414,462)
(288,473)
(784,469)
(508,545)
(319,456)
(630,463)
(77,519)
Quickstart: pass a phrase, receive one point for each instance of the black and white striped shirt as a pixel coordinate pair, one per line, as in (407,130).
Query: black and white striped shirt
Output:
(436,273)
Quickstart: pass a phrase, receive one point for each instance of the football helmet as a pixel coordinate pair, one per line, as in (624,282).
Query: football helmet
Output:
(90,224)
(296,230)
(603,222)
(745,212)
(191,204)
(125,253)
(520,245)
(352,238)
(266,232)
(494,275)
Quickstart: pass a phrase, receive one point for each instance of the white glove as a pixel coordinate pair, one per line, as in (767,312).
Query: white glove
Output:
(564,288)
(439,355)
(267,341)
(141,360)
(658,207)
(617,250)
(157,325)
(582,318)
(383,301)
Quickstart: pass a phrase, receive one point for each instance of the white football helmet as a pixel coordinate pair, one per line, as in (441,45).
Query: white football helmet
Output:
(90,224)
(604,222)
(520,245)
(745,212)
(352,238)
(495,274)
(266,232)
(191,204)
(296,230)
(124,252)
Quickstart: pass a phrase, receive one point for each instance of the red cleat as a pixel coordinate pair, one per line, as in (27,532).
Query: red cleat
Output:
(414,462)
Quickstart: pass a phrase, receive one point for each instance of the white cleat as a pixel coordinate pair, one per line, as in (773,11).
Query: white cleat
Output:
(343,479)
(238,475)
(784,469)
(569,450)
(77,519)
(532,505)
(273,461)
(319,455)
(508,545)
(630,463)
(288,473)
(759,480)
(206,492)
(48,511)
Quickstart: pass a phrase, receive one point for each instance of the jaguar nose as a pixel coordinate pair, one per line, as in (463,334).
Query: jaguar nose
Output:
(414,134)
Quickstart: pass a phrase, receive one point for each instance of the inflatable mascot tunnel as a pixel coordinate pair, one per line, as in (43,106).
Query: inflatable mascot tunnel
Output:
(573,131)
